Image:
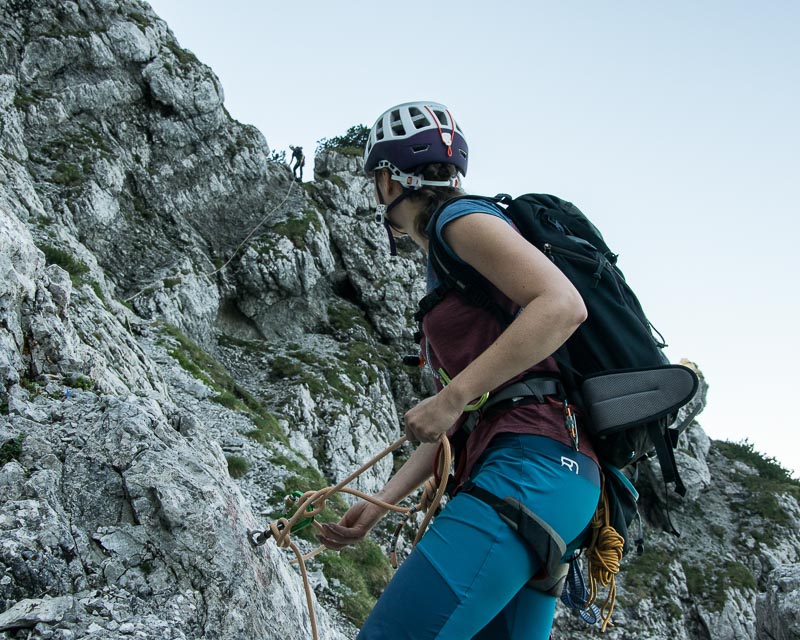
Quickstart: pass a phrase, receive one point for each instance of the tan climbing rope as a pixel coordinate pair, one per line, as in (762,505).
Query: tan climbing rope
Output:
(603,558)
(311,503)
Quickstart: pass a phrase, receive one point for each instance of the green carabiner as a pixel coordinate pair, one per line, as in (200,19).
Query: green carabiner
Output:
(291,500)
(474,406)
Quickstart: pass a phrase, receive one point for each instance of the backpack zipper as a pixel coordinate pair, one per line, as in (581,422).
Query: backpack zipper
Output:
(601,263)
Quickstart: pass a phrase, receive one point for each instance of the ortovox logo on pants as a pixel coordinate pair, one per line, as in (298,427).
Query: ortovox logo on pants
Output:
(570,464)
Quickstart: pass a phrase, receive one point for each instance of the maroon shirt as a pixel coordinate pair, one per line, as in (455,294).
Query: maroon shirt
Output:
(454,334)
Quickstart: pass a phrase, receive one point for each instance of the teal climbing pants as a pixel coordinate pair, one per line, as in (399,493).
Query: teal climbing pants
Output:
(467,576)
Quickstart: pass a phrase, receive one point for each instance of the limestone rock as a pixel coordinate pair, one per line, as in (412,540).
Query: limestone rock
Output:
(187,336)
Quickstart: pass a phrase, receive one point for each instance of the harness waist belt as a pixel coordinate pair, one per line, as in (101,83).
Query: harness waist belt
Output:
(536,387)
(523,392)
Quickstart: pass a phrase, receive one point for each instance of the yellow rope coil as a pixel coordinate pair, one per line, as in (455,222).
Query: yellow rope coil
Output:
(603,558)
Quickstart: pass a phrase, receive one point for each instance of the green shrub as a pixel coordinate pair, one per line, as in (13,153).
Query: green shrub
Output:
(79,381)
(11,449)
(237,466)
(283,367)
(771,479)
(352,142)
(68,174)
(66,261)
(185,57)
(170,283)
(768,467)
(646,575)
(710,582)
(365,571)
(267,429)
(202,366)
(296,229)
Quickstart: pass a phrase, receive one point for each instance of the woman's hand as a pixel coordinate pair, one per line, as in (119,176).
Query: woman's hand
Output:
(433,416)
(353,527)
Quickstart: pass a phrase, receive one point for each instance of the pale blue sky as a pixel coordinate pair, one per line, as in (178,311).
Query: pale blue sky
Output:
(674,126)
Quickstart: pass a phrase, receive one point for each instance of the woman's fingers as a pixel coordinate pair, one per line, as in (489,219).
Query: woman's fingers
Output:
(335,536)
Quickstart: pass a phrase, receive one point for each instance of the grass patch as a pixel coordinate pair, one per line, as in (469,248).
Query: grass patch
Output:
(79,381)
(357,363)
(139,20)
(24,100)
(303,477)
(68,174)
(343,316)
(184,57)
(251,346)
(283,367)
(762,488)
(74,267)
(338,181)
(202,366)
(237,466)
(647,575)
(365,571)
(296,229)
(11,449)
(171,283)
(267,429)
(710,583)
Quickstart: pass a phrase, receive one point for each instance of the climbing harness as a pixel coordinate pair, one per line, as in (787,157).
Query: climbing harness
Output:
(312,503)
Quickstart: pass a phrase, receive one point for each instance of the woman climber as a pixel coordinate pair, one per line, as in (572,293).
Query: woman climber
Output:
(478,573)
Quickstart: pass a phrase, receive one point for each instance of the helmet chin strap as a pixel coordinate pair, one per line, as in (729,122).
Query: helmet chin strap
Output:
(382,213)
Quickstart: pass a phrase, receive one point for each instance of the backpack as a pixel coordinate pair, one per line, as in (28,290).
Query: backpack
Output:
(612,367)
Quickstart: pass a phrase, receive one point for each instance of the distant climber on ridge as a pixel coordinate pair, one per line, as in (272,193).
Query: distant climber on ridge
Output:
(298,161)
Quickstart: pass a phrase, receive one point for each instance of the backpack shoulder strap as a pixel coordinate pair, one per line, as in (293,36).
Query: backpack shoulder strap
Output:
(455,275)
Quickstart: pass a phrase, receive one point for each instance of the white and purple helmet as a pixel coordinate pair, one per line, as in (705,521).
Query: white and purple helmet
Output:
(413,134)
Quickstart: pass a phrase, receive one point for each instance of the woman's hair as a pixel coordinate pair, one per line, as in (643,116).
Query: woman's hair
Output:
(432,197)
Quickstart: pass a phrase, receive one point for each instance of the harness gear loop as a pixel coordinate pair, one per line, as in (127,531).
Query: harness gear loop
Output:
(603,557)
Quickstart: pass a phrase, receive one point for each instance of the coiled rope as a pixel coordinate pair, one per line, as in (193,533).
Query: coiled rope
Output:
(603,558)
(311,503)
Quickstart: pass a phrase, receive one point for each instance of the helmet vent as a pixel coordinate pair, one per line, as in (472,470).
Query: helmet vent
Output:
(420,147)
(396,122)
(419,119)
(442,117)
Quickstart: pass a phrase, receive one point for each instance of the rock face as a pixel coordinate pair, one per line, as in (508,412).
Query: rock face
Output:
(187,335)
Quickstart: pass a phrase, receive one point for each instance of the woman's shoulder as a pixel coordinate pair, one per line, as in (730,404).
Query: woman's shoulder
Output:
(465,206)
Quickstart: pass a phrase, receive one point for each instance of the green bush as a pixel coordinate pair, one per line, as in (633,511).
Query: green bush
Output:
(11,449)
(67,174)
(710,582)
(772,478)
(768,467)
(351,143)
(66,261)
(237,466)
(202,366)
(365,571)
